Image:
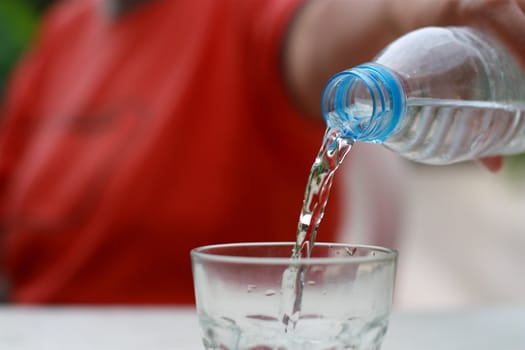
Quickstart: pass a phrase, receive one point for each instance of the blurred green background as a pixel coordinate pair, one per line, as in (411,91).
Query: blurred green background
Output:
(18,21)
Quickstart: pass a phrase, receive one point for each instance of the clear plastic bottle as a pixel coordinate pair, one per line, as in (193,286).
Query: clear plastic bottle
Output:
(436,95)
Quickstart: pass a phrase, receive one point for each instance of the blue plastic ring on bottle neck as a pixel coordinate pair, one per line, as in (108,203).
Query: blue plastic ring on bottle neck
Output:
(396,94)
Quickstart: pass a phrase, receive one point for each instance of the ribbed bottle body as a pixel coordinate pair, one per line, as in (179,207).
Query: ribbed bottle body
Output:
(464,96)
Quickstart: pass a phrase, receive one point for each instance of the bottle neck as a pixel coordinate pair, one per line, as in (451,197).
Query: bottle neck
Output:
(364,103)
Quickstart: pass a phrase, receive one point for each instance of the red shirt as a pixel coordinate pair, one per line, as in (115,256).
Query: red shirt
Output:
(126,143)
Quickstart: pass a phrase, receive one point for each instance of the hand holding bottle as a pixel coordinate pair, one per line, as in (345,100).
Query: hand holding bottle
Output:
(344,33)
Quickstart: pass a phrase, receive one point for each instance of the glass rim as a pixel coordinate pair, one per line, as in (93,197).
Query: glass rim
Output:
(202,253)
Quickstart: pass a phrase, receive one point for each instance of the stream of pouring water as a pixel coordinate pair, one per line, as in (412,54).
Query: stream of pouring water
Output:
(333,150)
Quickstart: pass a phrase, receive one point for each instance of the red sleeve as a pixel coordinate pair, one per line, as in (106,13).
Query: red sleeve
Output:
(15,118)
(266,23)
(17,110)
(293,139)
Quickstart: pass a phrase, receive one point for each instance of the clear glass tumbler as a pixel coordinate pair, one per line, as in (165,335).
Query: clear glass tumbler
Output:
(254,296)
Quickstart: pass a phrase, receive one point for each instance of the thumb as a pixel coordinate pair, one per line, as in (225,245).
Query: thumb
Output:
(493,164)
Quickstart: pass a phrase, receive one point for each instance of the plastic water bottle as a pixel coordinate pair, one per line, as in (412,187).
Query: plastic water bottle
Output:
(435,95)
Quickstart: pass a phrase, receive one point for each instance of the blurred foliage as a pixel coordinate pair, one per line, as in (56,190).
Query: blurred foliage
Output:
(18,20)
(515,168)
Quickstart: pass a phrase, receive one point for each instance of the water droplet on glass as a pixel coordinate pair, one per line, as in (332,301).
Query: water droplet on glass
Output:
(262,317)
(317,269)
(350,251)
(270,292)
(230,320)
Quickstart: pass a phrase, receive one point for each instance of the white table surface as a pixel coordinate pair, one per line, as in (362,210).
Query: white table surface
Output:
(28,328)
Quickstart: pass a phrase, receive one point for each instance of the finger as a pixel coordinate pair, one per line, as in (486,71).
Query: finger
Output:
(521,4)
(493,164)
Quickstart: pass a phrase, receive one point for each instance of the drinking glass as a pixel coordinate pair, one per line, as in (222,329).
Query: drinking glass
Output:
(255,296)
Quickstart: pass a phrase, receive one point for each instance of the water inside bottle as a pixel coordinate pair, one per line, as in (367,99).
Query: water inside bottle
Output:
(441,131)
